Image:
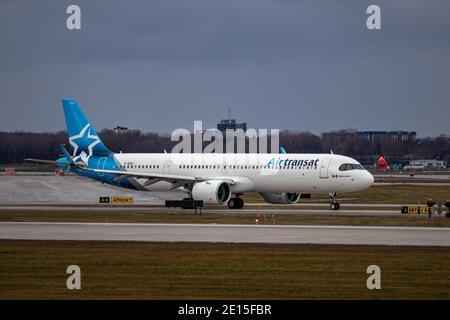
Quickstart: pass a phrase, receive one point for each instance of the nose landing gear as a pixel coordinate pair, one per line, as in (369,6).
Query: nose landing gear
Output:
(334,205)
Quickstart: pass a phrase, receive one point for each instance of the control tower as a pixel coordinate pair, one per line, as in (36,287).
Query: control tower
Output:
(230,123)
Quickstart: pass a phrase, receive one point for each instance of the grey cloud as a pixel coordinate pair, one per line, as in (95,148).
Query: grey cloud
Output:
(159,65)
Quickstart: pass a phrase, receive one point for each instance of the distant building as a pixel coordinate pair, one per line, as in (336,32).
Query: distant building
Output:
(373,135)
(426,164)
(120,129)
(225,124)
(390,135)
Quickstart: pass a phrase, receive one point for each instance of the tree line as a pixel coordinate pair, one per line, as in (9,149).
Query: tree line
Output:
(16,146)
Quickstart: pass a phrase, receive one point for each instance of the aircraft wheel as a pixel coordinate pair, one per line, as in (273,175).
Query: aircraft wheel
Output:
(335,206)
(232,203)
(235,203)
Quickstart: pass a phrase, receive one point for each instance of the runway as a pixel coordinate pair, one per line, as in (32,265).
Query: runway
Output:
(312,234)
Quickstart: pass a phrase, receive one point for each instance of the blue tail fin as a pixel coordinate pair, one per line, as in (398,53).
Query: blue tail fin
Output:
(83,139)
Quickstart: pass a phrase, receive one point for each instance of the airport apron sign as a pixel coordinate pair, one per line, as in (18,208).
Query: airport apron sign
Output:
(117,200)
(416,210)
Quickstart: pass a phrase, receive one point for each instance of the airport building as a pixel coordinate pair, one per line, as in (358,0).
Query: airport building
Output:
(119,130)
(230,124)
(390,135)
(429,164)
(398,135)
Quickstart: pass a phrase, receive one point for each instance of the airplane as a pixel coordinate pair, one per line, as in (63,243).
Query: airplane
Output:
(214,178)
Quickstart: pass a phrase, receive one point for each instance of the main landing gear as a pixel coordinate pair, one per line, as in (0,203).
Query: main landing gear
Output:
(334,205)
(236,203)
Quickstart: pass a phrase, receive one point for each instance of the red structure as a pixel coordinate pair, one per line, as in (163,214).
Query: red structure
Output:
(382,164)
(10,171)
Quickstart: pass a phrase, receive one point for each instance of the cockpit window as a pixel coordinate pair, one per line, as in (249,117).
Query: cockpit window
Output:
(350,166)
(345,167)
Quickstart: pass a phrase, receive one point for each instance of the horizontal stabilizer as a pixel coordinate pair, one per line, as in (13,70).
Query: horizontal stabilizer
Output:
(46,161)
(70,158)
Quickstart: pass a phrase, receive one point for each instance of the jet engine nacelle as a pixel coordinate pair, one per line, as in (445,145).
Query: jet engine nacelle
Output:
(214,191)
(281,198)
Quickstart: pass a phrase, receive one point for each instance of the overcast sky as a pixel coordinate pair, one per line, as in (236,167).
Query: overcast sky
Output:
(159,65)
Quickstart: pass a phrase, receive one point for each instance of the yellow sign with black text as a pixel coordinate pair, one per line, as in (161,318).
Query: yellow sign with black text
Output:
(122,199)
(416,210)
(104,200)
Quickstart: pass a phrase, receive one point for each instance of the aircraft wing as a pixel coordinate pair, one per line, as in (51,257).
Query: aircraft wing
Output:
(177,180)
(144,175)
(156,177)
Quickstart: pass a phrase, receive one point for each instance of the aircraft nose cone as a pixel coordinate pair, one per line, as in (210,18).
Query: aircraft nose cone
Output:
(370,179)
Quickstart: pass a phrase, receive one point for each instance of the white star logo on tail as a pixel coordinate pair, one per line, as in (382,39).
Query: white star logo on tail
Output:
(83,156)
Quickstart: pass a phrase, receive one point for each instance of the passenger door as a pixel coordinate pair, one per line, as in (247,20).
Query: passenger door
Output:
(324,168)
(166,167)
(101,165)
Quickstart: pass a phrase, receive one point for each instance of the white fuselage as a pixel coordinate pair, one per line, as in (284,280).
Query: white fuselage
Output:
(302,173)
